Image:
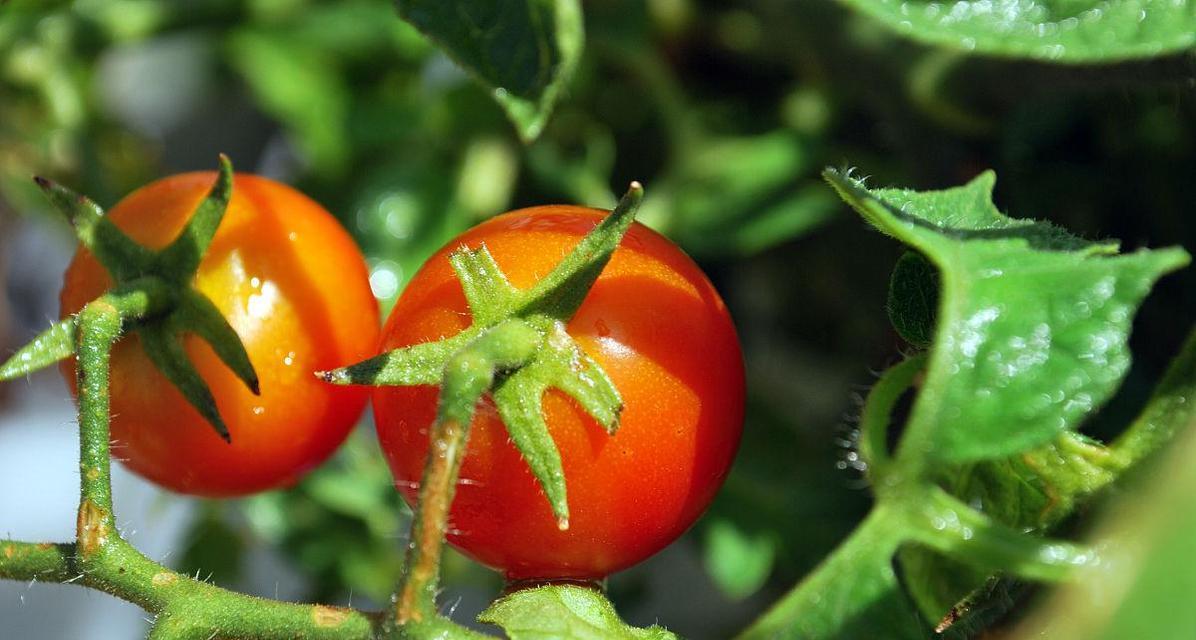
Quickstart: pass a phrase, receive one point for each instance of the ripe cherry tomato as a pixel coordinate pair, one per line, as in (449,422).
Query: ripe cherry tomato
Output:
(294,286)
(656,325)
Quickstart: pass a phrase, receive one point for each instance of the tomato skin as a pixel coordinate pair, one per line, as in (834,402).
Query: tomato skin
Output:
(656,325)
(294,286)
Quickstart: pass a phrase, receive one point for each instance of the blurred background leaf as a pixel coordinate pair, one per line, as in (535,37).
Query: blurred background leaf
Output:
(1057,30)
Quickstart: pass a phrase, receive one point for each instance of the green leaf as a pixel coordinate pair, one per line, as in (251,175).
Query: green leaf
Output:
(563,612)
(525,51)
(117,252)
(1169,410)
(914,299)
(1032,492)
(182,256)
(738,561)
(197,314)
(1066,31)
(50,346)
(1032,322)
(740,196)
(559,293)
(166,352)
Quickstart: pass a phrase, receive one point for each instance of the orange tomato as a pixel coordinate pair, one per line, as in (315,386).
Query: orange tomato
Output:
(294,286)
(656,325)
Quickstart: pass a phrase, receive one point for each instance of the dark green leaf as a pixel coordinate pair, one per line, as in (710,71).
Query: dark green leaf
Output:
(740,195)
(525,51)
(182,256)
(166,352)
(914,299)
(1069,31)
(1032,322)
(564,612)
(197,314)
(562,290)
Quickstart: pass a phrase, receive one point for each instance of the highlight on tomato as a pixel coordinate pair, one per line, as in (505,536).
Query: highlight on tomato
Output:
(293,285)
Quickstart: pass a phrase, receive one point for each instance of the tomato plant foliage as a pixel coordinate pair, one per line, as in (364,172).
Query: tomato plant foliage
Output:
(1059,30)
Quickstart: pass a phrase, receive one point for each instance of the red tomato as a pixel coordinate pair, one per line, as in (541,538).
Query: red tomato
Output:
(294,286)
(656,325)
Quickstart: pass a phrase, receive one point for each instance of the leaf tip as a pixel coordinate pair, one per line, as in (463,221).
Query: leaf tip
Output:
(44,183)
(333,376)
(562,523)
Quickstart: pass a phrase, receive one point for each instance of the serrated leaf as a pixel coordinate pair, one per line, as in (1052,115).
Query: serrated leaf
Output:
(524,51)
(564,612)
(1032,322)
(50,346)
(1066,31)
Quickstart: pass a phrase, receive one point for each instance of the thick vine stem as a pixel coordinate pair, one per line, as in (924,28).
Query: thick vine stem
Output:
(468,374)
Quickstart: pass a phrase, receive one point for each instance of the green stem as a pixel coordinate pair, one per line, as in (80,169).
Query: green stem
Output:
(468,374)
(37,561)
(877,415)
(99,327)
(944,523)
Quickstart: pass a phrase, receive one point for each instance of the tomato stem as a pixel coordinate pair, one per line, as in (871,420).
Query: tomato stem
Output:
(469,374)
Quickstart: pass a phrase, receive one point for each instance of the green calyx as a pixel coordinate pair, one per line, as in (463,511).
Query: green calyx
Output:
(154,294)
(516,349)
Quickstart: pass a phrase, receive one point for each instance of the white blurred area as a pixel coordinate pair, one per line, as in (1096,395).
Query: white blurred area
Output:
(39,468)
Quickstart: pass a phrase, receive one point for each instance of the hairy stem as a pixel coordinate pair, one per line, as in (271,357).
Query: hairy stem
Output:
(43,561)
(468,374)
